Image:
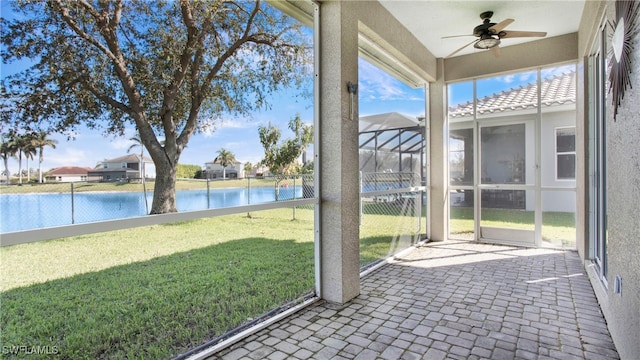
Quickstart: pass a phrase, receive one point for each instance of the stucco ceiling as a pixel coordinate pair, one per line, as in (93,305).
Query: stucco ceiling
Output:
(429,21)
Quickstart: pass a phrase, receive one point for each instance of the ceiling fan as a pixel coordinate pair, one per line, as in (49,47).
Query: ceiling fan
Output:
(489,34)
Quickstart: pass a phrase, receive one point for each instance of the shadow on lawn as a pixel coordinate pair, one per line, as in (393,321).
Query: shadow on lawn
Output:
(161,307)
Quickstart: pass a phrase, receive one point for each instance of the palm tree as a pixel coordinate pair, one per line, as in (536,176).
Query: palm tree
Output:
(225,158)
(22,144)
(138,142)
(7,150)
(248,166)
(303,133)
(29,152)
(39,141)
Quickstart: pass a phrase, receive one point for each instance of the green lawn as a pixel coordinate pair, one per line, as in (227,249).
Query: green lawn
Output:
(158,291)
(558,228)
(386,229)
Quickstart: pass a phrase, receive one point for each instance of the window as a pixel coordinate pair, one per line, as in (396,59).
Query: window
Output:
(566,153)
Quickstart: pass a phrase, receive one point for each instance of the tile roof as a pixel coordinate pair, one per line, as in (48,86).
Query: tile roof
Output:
(69,170)
(556,90)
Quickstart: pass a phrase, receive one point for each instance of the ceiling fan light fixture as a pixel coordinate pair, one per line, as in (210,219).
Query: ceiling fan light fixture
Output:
(487,42)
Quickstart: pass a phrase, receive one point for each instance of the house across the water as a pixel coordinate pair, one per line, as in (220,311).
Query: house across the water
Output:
(69,174)
(124,168)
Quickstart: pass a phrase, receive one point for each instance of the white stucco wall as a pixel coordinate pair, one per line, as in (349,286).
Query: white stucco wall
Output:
(621,310)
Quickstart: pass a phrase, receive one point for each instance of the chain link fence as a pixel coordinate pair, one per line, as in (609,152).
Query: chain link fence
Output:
(391,208)
(36,206)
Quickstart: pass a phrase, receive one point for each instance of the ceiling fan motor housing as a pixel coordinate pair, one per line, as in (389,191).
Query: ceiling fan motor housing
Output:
(483,29)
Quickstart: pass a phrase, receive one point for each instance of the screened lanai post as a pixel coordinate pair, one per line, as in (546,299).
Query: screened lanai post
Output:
(439,212)
(339,185)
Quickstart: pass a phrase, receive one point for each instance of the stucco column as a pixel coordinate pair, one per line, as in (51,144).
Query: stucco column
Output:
(338,154)
(439,211)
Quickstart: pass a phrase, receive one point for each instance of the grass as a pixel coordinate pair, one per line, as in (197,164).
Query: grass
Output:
(161,307)
(48,260)
(386,229)
(158,291)
(558,228)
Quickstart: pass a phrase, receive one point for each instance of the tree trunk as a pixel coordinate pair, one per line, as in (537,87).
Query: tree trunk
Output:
(20,168)
(6,169)
(40,171)
(164,194)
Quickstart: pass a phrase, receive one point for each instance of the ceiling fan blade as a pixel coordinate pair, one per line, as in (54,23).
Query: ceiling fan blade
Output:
(501,25)
(460,49)
(514,33)
(496,51)
(455,36)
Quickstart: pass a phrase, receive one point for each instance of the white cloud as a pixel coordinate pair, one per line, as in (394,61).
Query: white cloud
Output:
(237,124)
(508,79)
(376,85)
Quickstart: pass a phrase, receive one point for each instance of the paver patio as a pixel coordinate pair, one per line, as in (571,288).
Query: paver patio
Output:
(450,300)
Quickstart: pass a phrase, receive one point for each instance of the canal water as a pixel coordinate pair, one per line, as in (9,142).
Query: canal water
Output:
(35,211)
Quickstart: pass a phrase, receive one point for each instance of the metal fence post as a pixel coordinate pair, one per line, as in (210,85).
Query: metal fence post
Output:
(72,206)
(248,194)
(144,195)
(208,196)
(248,190)
(294,195)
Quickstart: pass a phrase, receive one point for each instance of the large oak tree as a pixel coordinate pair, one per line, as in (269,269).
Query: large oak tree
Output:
(169,67)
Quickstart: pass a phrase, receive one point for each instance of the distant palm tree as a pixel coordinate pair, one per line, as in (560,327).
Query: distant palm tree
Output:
(138,142)
(7,150)
(247,168)
(39,141)
(225,158)
(23,145)
(304,135)
(29,152)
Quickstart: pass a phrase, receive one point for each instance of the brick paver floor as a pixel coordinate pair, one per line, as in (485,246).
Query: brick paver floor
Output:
(450,300)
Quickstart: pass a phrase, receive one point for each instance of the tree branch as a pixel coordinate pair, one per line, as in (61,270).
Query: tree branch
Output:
(179,75)
(102,96)
(231,50)
(74,25)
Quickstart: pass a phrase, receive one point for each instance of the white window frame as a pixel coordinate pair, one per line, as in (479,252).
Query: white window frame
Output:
(558,153)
